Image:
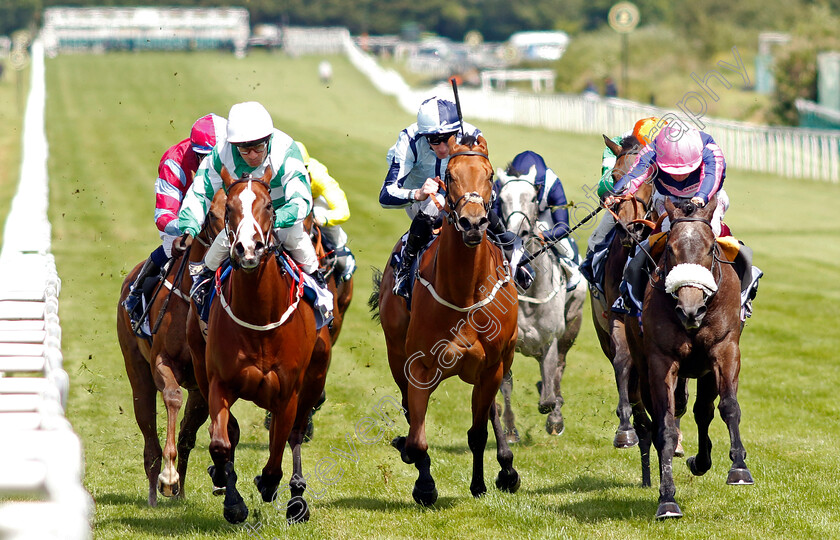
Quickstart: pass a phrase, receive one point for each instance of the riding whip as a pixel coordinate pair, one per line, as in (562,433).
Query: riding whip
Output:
(457,104)
(176,283)
(531,256)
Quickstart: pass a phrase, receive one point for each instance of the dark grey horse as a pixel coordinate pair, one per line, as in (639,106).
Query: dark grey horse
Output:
(549,315)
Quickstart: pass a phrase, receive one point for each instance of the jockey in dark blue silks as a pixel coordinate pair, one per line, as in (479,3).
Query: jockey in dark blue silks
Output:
(416,163)
(553,212)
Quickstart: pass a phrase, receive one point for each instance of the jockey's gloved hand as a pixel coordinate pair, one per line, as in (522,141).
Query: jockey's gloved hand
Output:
(698,202)
(180,245)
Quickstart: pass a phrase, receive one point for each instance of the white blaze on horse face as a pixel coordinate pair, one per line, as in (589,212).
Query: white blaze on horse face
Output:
(249,227)
(518,195)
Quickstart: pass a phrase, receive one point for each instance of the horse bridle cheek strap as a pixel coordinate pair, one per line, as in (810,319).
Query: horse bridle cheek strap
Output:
(710,289)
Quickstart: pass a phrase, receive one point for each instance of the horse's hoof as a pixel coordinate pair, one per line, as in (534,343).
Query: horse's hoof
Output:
(478,490)
(297,511)
(625,438)
(425,497)
(508,481)
(695,470)
(555,427)
(739,477)
(512,437)
(265,487)
(398,443)
(168,490)
(668,510)
(236,513)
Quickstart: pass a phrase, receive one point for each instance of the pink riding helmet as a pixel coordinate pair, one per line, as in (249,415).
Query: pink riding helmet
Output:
(678,151)
(206,132)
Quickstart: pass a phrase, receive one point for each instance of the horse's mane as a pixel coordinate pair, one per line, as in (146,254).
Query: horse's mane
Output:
(468,140)
(512,171)
(687,208)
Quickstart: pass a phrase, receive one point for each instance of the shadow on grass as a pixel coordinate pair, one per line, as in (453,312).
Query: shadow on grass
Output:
(382,505)
(583,484)
(607,509)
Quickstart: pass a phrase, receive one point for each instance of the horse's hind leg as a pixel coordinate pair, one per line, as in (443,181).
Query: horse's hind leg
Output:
(282,420)
(510,432)
(144,394)
(169,479)
(625,435)
(195,414)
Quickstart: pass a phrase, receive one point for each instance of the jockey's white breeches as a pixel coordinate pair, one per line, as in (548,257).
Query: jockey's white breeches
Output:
(426,206)
(717,216)
(166,240)
(293,239)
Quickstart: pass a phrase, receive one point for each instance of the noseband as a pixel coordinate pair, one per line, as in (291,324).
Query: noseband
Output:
(472,196)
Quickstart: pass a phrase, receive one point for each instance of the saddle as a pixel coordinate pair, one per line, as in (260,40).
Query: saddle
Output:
(396,258)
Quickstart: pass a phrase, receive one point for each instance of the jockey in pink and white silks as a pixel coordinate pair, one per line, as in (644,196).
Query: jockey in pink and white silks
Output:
(252,146)
(176,172)
(685,164)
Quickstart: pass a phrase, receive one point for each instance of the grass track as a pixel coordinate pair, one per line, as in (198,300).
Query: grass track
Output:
(105,140)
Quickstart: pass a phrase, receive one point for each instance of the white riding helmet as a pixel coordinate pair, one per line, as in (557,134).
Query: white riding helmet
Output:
(248,122)
(437,115)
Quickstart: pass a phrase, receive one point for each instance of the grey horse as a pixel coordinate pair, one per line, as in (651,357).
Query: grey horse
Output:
(549,315)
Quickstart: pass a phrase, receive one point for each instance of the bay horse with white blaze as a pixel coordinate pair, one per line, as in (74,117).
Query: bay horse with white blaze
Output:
(260,343)
(690,327)
(462,323)
(162,363)
(549,316)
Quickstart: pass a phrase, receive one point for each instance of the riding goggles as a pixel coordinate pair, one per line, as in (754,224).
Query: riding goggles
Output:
(245,149)
(437,138)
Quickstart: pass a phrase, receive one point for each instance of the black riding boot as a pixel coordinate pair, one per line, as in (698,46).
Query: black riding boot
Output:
(132,301)
(418,235)
(202,282)
(319,279)
(505,239)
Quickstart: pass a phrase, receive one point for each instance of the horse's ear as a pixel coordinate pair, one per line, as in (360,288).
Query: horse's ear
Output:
(614,148)
(482,144)
(710,206)
(227,179)
(267,176)
(669,207)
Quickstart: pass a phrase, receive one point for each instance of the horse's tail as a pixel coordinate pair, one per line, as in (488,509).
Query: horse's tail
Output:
(373,301)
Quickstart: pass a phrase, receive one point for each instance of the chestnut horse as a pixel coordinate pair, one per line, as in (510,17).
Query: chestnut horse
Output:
(260,343)
(162,364)
(462,322)
(634,217)
(691,328)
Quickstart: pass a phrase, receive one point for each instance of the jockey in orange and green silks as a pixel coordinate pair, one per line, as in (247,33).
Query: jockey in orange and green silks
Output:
(644,130)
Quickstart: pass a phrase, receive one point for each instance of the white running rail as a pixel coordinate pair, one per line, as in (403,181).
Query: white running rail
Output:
(41,460)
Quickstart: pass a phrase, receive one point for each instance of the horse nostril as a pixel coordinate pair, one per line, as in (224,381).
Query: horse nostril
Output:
(239,249)
(483,222)
(465,223)
(700,312)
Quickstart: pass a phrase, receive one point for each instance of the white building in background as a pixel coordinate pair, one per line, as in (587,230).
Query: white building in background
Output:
(141,28)
(539,46)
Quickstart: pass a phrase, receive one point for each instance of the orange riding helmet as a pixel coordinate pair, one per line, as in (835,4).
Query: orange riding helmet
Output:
(646,129)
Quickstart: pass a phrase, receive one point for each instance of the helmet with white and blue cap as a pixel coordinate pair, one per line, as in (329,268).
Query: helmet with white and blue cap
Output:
(437,115)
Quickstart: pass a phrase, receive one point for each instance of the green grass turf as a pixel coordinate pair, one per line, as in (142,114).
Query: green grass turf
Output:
(14,86)
(110,117)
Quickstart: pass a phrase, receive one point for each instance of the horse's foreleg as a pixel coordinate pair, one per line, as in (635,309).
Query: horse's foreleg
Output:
(415,448)
(625,435)
(282,420)
(641,423)
(510,432)
(195,414)
(222,472)
(508,478)
(730,411)
(169,480)
(662,373)
(704,412)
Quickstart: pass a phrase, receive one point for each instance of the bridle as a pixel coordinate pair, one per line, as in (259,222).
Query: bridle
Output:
(472,197)
(268,240)
(714,267)
(525,217)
